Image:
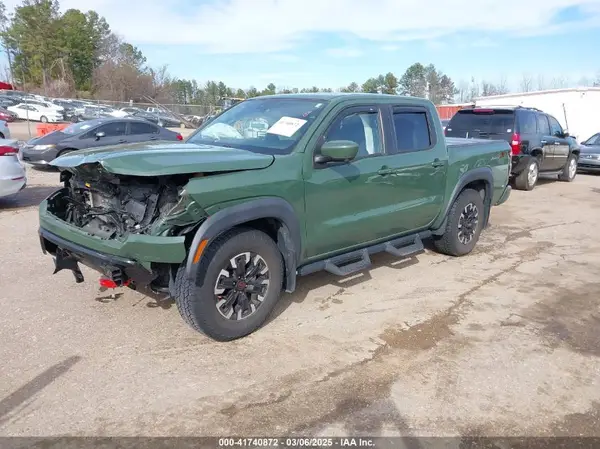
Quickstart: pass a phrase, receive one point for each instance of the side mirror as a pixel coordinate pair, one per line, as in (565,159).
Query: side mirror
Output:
(566,133)
(337,151)
(100,134)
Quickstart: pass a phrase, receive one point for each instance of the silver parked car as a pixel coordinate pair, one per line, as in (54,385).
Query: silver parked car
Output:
(4,131)
(589,158)
(12,172)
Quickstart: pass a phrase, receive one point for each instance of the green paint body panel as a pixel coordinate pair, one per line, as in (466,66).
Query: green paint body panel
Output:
(339,208)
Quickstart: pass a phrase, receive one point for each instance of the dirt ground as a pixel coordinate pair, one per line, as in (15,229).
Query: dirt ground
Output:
(505,341)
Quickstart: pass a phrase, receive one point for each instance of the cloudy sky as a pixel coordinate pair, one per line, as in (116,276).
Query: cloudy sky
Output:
(330,43)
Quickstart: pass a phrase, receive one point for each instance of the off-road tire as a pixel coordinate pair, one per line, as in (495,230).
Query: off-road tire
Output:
(197,305)
(567,174)
(449,243)
(522,180)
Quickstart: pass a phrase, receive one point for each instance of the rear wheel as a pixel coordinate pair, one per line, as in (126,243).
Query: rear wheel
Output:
(44,119)
(527,179)
(464,224)
(570,169)
(242,280)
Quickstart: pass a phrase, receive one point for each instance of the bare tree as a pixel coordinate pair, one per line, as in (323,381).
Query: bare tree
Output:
(559,82)
(541,82)
(463,91)
(526,83)
(503,85)
(474,91)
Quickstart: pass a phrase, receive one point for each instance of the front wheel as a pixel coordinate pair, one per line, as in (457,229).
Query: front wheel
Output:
(44,119)
(241,277)
(570,169)
(464,224)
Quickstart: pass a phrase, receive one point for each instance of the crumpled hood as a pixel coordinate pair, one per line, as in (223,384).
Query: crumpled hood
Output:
(165,158)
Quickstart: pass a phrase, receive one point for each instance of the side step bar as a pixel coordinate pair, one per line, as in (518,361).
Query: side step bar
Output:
(359,260)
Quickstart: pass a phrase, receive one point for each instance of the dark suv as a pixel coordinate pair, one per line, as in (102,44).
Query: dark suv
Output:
(539,145)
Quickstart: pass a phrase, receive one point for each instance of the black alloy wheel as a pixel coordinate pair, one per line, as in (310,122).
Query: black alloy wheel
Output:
(467,223)
(241,286)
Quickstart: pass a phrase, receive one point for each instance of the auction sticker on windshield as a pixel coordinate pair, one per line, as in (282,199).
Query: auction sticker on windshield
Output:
(286,126)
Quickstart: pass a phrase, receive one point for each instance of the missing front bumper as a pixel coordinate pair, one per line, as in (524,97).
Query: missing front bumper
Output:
(68,256)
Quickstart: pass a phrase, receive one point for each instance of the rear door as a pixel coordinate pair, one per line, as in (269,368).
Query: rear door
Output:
(561,144)
(142,132)
(546,143)
(483,123)
(418,168)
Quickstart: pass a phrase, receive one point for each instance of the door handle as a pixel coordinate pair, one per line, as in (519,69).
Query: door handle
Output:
(385,171)
(122,141)
(557,143)
(543,142)
(437,163)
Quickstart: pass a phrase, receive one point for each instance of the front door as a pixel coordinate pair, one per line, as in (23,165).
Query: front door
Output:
(350,203)
(114,134)
(561,144)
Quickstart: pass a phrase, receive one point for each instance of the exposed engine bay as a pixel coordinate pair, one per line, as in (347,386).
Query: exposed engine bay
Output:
(110,206)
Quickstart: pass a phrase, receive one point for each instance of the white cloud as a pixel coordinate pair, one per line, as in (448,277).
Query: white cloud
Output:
(344,52)
(390,47)
(241,26)
(285,57)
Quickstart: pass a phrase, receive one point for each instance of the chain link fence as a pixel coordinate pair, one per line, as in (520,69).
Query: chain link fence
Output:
(186,110)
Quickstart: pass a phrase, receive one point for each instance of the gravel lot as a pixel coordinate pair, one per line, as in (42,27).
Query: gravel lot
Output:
(503,342)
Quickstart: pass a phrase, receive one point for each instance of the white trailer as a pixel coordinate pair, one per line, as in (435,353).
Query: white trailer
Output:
(577,109)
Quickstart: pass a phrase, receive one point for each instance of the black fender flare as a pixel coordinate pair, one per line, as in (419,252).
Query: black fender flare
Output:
(478,174)
(288,236)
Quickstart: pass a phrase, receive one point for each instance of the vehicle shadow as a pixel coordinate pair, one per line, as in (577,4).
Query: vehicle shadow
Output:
(24,394)
(43,168)
(28,197)
(154,299)
(306,284)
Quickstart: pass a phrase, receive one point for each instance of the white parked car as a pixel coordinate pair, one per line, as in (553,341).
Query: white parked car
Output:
(44,104)
(36,113)
(12,172)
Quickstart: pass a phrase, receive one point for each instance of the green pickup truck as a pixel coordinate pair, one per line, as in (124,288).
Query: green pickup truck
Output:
(273,188)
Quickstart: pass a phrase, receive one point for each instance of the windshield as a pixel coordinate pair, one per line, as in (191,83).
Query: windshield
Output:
(77,128)
(594,140)
(263,125)
(480,125)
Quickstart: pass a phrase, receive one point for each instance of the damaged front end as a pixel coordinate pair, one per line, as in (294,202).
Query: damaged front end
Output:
(112,206)
(130,228)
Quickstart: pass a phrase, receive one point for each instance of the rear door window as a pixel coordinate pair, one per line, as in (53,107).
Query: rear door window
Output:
(527,122)
(411,129)
(142,128)
(485,124)
(543,126)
